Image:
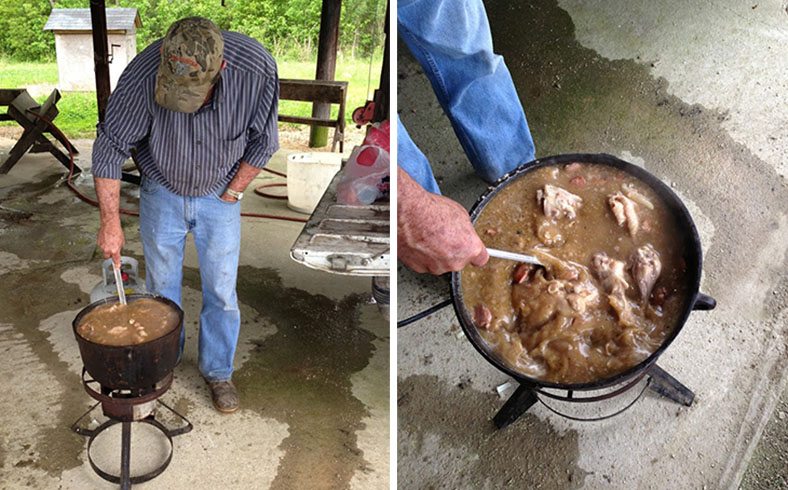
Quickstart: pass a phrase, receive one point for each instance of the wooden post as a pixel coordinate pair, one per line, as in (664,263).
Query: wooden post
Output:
(382,96)
(326,64)
(98,19)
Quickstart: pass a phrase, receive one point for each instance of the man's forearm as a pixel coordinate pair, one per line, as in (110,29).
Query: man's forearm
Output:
(246,173)
(108,193)
(410,194)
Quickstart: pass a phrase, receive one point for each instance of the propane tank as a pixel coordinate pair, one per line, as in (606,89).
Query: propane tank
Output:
(129,271)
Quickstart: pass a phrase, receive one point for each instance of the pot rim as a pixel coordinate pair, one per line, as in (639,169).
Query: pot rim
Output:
(129,298)
(692,240)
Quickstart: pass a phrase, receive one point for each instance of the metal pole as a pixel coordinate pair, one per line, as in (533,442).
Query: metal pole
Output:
(125,456)
(326,64)
(98,19)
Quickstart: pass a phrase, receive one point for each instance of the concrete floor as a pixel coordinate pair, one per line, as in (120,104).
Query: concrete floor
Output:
(312,362)
(695,93)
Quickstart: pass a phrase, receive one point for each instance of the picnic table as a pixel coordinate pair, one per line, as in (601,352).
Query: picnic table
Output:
(325,91)
(37,121)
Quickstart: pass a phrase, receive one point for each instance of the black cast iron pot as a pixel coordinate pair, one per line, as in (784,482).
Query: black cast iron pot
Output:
(131,367)
(694,300)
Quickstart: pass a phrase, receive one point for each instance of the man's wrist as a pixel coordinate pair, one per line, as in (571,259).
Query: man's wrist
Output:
(237,195)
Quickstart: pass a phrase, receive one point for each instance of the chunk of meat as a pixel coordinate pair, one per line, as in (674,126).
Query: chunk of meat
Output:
(632,193)
(116,330)
(482,317)
(557,202)
(556,268)
(646,268)
(611,273)
(624,210)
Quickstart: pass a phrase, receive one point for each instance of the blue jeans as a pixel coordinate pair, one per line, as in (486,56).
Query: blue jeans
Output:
(165,220)
(451,40)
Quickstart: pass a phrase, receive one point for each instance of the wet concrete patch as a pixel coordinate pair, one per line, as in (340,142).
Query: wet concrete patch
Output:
(30,227)
(301,375)
(26,299)
(447,432)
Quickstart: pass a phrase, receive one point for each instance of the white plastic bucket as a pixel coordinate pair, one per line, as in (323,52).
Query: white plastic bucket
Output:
(308,176)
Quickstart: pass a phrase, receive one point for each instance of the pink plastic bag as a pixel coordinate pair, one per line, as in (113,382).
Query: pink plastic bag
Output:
(365,177)
(378,135)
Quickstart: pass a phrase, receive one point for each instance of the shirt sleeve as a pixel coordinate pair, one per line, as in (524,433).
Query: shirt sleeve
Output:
(127,122)
(263,132)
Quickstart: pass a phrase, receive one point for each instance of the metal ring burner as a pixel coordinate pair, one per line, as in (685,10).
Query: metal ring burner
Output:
(126,407)
(656,380)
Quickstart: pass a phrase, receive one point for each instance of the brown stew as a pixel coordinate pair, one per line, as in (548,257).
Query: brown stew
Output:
(139,321)
(612,288)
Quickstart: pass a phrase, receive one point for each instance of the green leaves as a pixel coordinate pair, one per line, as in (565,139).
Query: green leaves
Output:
(288,28)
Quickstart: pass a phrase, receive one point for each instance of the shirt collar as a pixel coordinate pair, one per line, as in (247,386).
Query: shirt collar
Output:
(218,95)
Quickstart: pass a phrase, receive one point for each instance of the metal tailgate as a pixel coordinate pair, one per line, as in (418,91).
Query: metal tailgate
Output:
(351,240)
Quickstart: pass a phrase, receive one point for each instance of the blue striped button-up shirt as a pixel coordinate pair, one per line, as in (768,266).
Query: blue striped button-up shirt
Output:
(193,154)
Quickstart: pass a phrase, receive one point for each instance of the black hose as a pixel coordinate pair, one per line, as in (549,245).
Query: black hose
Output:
(429,311)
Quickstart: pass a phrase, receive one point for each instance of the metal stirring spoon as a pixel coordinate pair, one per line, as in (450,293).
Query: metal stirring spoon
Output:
(502,254)
(119,284)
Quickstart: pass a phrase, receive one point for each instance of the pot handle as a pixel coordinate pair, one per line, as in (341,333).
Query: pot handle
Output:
(704,302)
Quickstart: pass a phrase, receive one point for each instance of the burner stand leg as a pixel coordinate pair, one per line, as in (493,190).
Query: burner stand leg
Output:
(666,385)
(125,479)
(125,456)
(520,401)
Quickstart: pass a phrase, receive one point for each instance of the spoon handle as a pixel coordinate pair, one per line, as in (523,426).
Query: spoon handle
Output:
(502,254)
(119,284)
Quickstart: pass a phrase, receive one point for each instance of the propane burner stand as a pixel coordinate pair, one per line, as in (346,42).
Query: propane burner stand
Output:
(127,407)
(526,395)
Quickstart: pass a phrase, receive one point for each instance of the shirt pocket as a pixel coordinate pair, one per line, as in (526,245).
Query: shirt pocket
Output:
(232,149)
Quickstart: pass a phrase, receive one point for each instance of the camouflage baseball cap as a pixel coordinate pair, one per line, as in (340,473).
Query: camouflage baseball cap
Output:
(191,60)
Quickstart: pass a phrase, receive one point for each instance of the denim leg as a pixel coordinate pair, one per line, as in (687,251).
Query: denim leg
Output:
(163,230)
(217,236)
(413,161)
(451,40)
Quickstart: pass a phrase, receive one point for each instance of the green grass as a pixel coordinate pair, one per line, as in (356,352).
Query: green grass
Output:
(78,117)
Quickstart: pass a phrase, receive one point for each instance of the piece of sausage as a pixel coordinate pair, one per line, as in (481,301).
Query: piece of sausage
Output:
(482,317)
(578,181)
(522,273)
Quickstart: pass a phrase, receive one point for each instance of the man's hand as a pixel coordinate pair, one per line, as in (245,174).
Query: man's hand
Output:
(110,236)
(434,233)
(110,241)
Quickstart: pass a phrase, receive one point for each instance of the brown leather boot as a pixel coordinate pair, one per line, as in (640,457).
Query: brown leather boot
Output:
(224,396)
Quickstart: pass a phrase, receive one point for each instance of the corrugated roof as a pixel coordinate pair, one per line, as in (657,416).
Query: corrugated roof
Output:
(79,20)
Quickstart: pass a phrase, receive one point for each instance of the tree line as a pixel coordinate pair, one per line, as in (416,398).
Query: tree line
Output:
(288,28)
